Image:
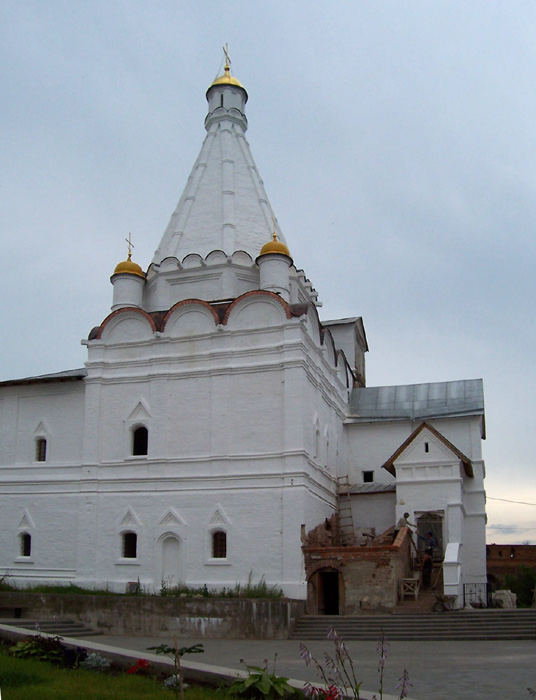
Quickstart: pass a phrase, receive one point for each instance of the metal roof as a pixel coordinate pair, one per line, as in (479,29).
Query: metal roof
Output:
(69,374)
(372,488)
(417,401)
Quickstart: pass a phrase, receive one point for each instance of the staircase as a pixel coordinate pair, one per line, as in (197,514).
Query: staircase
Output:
(62,628)
(457,625)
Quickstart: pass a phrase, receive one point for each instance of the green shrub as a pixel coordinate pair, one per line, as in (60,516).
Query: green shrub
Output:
(522,583)
(48,649)
(269,685)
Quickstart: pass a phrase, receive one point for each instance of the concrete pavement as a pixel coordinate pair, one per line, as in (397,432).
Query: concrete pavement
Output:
(438,670)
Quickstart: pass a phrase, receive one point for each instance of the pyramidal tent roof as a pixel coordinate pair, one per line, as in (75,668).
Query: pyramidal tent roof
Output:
(224,205)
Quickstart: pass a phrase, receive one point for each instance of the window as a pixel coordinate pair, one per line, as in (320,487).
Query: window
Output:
(41,450)
(130,545)
(219,545)
(25,544)
(368,477)
(140,441)
(426,447)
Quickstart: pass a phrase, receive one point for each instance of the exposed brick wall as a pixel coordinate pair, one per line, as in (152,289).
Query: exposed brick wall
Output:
(502,559)
(370,573)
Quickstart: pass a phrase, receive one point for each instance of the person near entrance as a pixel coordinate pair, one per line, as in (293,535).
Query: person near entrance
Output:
(403,522)
(426,570)
(430,543)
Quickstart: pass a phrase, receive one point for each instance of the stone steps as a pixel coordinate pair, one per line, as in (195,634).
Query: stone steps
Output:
(62,628)
(456,625)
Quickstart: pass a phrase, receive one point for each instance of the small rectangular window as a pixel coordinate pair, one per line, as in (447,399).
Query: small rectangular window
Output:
(40,450)
(25,544)
(426,447)
(140,441)
(219,545)
(130,545)
(368,477)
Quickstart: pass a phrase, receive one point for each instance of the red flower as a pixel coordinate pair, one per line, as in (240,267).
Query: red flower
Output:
(140,665)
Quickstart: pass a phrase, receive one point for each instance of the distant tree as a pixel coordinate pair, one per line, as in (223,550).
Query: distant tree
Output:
(523,584)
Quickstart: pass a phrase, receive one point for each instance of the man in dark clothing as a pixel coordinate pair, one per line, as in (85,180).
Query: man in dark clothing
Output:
(426,570)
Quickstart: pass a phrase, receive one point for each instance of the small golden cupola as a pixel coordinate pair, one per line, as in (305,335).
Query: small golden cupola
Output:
(275,246)
(128,281)
(227,78)
(226,99)
(129,267)
(274,263)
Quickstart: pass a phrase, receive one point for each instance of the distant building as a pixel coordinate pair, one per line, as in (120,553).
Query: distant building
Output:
(503,559)
(218,421)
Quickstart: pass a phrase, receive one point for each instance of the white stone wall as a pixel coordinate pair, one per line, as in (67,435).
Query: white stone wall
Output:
(373,511)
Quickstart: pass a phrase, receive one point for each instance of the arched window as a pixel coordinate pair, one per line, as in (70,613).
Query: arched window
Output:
(41,450)
(25,540)
(219,544)
(140,441)
(130,545)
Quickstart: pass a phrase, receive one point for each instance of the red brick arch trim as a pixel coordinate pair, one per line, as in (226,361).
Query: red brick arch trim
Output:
(257,293)
(312,569)
(124,310)
(191,302)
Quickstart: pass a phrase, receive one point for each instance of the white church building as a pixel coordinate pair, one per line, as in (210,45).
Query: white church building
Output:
(217,416)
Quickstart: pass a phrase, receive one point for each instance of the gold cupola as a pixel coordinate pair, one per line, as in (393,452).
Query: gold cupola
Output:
(129,267)
(274,263)
(275,246)
(227,78)
(128,281)
(226,98)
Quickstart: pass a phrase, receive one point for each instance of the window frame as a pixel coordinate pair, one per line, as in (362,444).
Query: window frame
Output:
(41,447)
(25,538)
(134,431)
(216,547)
(125,546)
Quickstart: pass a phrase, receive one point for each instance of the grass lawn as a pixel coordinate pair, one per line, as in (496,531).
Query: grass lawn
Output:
(21,679)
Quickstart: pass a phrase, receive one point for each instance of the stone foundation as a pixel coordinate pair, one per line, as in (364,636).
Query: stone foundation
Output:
(198,618)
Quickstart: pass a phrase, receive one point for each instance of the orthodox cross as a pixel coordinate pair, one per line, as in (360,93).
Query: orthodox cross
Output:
(274,234)
(130,245)
(226,52)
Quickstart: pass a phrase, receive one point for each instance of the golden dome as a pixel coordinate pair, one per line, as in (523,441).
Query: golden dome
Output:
(275,246)
(227,79)
(129,267)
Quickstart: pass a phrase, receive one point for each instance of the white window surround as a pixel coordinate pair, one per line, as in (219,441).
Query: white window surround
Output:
(217,521)
(218,561)
(139,417)
(41,432)
(128,561)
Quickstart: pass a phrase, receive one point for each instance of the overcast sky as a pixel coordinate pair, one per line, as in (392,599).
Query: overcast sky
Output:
(397,143)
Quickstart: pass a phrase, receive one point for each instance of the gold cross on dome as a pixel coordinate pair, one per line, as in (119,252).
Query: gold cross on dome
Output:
(274,234)
(226,52)
(130,245)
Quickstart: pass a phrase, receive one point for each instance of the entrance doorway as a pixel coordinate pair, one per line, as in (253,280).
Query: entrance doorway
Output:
(328,592)
(431,522)
(324,593)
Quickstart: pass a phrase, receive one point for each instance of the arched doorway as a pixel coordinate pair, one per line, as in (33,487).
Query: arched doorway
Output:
(325,592)
(170,570)
(431,522)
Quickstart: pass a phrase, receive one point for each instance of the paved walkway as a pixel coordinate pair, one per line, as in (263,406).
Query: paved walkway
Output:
(438,670)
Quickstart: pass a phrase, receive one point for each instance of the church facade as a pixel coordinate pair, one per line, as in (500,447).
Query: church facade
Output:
(217,416)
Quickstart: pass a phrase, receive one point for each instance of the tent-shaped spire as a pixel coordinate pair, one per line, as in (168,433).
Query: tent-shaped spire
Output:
(224,205)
